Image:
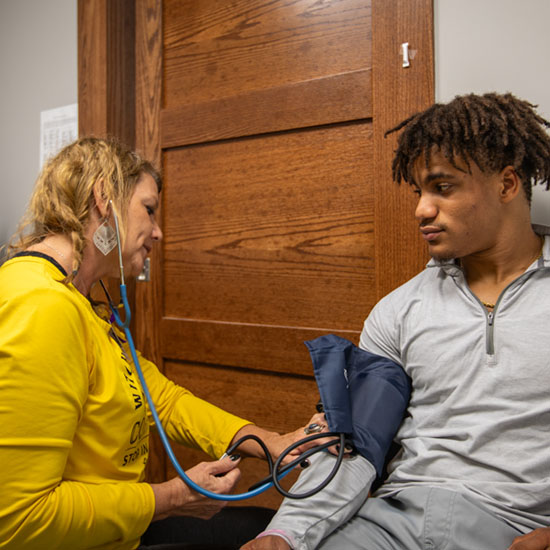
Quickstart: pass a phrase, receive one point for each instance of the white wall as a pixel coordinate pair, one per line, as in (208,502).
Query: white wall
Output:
(480,45)
(496,45)
(38,64)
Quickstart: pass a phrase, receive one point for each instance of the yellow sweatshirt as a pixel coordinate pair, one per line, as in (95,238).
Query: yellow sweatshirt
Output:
(74,424)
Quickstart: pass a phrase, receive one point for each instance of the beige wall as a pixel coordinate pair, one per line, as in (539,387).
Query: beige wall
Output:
(38,64)
(496,45)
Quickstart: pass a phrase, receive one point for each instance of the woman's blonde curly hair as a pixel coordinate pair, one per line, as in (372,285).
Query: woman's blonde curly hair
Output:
(63,194)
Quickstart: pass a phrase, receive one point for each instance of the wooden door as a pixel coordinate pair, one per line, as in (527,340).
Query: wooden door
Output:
(281,222)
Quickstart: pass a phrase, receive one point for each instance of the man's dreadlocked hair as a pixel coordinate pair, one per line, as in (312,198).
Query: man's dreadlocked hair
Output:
(493,130)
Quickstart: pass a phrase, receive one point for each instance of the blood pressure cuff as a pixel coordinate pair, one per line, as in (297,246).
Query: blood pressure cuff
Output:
(363,394)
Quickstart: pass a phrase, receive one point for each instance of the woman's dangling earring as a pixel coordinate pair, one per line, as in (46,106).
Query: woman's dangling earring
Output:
(105,238)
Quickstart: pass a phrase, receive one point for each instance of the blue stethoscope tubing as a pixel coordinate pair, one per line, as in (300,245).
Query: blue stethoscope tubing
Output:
(166,443)
(275,473)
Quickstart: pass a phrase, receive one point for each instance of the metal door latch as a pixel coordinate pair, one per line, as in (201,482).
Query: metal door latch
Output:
(405,54)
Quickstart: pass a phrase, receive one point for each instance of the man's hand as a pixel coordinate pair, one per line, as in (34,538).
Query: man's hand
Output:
(539,539)
(269,542)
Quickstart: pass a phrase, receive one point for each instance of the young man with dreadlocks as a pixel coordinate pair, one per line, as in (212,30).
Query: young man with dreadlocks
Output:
(473,470)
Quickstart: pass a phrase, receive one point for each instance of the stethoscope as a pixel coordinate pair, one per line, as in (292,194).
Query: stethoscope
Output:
(276,472)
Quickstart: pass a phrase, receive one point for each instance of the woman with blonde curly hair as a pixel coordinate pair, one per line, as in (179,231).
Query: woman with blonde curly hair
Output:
(74,424)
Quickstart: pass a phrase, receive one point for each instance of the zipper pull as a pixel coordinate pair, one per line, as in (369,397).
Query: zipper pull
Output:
(490,318)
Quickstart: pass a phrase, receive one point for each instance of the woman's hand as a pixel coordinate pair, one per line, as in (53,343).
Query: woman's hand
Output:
(539,539)
(277,443)
(269,542)
(176,498)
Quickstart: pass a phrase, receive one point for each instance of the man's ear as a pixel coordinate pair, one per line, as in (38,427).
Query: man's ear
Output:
(100,198)
(510,184)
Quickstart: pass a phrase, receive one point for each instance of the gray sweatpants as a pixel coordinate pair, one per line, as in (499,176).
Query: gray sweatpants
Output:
(426,518)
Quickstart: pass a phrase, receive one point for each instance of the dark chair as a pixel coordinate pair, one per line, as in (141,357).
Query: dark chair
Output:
(227,530)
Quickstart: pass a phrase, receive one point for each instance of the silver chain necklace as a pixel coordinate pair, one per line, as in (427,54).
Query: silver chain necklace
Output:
(55,250)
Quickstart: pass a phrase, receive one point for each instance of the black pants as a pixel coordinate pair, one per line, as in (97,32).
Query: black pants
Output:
(227,530)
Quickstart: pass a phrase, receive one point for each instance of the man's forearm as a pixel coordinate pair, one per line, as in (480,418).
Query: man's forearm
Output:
(308,521)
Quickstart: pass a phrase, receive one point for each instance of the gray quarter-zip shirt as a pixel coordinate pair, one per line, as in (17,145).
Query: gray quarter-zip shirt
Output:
(478,420)
(479,416)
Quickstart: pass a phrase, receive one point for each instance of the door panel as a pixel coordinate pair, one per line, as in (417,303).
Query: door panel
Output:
(260,396)
(215,49)
(259,347)
(270,230)
(326,100)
